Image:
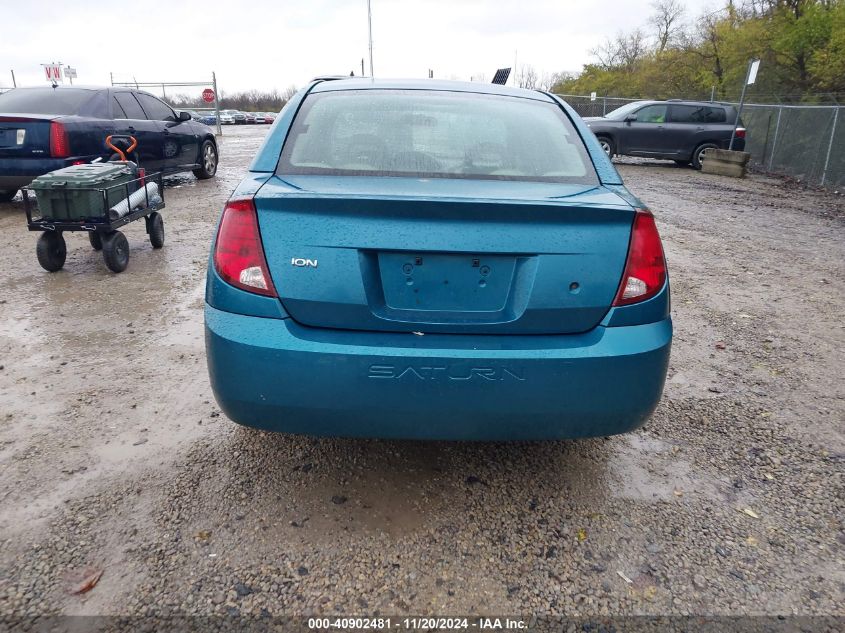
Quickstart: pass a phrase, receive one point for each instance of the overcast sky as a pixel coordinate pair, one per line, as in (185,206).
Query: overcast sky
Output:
(268,44)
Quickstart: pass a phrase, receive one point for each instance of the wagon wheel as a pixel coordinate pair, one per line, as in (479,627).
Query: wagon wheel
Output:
(116,251)
(155,229)
(96,241)
(51,251)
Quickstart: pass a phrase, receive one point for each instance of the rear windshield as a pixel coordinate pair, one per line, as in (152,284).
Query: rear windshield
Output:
(45,100)
(434,134)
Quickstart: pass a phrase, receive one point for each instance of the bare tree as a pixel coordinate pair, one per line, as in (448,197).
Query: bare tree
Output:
(528,78)
(249,100)
(548,81)
(667,21)
(707,44)
(623,51)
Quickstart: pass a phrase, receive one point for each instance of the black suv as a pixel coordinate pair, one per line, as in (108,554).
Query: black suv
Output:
(679,130)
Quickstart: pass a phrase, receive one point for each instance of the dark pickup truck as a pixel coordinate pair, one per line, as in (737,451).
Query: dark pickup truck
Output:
(682,131)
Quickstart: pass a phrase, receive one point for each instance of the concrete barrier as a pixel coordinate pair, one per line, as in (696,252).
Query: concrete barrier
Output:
(725,162)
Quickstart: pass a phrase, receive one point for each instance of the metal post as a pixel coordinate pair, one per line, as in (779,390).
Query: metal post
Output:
(741,101)
(370,34)
(604,105)
(830,143)
(775,140)
(111,78)
(216,103)
(363,72)
(14,84)
(712,94)
(163,93)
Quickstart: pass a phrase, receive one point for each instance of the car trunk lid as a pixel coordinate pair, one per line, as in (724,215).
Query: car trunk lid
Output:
(25,135)
(445,256)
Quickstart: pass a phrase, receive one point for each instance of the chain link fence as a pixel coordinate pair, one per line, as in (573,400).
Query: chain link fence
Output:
(585,106)
(806,142)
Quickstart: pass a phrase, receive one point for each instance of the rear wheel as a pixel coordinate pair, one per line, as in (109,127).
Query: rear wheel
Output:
(96,242)
(208,161)
(51,251)
(608,146)
(116,251)
(155,228)
(700,154)
(7,195)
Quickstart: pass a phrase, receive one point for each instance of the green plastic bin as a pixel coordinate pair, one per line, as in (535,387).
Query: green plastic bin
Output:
(72,193)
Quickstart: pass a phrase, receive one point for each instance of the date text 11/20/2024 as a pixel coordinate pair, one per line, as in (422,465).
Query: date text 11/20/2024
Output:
(416,624)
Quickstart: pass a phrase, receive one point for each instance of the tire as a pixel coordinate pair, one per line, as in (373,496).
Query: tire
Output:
(96,241)
(208,161)
(51,250)
(155,229)
(697,155)
(608,146)
(116,251)
(6,196)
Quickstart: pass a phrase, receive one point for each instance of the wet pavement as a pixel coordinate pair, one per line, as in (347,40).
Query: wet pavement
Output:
(114,456)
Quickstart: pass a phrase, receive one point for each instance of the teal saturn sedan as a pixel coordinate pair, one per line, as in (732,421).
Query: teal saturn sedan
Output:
(435,260)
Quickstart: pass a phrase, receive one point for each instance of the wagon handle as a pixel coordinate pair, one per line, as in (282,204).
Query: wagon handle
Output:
(120,153)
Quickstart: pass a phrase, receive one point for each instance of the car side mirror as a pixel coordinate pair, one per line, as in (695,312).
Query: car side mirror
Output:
(630,118)
(184,116)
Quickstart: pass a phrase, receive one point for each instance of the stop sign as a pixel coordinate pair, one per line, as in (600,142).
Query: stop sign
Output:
(207,95)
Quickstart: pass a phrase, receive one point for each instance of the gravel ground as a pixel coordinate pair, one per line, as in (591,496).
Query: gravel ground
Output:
(115,459)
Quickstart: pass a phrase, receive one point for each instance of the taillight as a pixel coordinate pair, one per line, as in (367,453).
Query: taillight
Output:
(645,268)
(238,253)
(59,143)
(740,132)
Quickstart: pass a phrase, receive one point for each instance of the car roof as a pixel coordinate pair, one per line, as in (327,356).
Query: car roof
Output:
(366,83)
(692,102)
(61,87)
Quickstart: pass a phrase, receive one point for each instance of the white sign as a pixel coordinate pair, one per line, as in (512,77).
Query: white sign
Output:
(70,73)
(592,96)
(752,72)
(53,72)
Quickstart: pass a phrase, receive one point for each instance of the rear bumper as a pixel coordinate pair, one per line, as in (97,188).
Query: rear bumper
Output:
(19,172)
(277,375)
(738,144)
(11,182)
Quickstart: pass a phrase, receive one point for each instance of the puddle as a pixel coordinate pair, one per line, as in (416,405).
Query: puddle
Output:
(649,469)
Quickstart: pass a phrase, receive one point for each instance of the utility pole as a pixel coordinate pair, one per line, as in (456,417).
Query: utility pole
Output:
(370,32)
(216,103)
